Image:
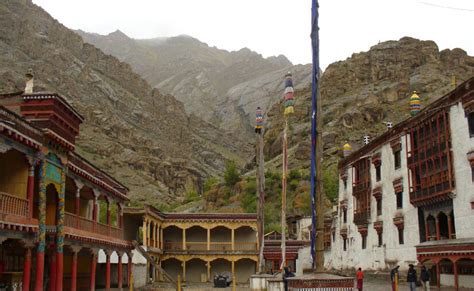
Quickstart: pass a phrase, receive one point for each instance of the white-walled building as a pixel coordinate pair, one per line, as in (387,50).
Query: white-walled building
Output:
(408,196)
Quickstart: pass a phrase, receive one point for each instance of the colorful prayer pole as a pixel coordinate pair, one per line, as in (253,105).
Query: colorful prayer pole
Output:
(415,104)
(261,189)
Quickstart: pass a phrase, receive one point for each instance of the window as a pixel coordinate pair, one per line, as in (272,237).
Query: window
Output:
(364,242)
(345,184)
(345,244)
(344,215)
(400,236)
(399,200)
(398,159)
(378,173)
(333,236)
(472,172)
(470,120)
(380,239)
(379,207)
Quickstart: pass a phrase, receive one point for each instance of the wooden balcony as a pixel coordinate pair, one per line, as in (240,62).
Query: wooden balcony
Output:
(213,246)
(362,217)
(12,205)
(84,224)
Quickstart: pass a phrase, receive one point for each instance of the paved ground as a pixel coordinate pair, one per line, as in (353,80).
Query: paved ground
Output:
(370,284)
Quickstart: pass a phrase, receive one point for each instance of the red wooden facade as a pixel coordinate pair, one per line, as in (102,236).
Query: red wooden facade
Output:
(361,190)
(430,160)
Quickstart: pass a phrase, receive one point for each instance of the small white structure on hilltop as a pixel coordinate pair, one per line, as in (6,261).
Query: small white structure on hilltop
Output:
(408,196)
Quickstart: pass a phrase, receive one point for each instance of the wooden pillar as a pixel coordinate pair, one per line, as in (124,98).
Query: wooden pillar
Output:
(161,238)
(107,270)
(156,236)
(184,245)
(438,236)
(92,271)
(148,229)
(438,275)
(233,269)
(119,270)
(60,233)
(27,269)
(456,276)
(77,203)
(208,264)
(184,271)
(74,271)
(30,188)
(108,213)
(129,268)
(208,239)
(450,229)
(53,273)
(427,230)
(232,238)
(41,230)
(144,232)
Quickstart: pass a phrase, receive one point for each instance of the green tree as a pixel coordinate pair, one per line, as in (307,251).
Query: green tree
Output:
(210,183)
(231,174)
(330,182)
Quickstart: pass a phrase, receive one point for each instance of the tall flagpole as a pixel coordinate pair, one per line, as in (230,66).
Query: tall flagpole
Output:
(317,237)
(289,109)
(261,189)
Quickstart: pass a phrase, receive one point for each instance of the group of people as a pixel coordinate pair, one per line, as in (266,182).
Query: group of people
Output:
(412,278)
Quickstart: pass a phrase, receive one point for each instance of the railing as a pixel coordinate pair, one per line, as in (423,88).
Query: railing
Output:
(196,246)
(221,246)
(82,223)
(10,204)
(245,246)
(213,246)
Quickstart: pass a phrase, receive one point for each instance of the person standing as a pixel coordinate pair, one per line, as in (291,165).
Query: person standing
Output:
(425,278)
(394,278)
(360,279)
(411,277)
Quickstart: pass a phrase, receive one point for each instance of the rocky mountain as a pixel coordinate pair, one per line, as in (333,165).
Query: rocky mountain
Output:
(136,133)
(222,87)
(362,92)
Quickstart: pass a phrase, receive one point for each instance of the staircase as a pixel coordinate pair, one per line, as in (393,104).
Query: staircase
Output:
(144,253)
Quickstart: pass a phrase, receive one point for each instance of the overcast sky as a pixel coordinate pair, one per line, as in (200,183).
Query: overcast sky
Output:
(273,27)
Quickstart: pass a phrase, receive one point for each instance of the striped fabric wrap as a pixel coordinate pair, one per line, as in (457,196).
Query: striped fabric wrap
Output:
(415,104)
(258,120)
(289,95)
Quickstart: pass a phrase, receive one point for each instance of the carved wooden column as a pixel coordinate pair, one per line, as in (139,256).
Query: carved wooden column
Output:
(450,229)
(232,238)
(208,239)
(438,235)
(144,232)
(30,188)
(75,251)
(456,276)
(184,242)
(92,270)
(41,230)
(27,268)
(184,271)
(77,203)
(119,269)
(107,269)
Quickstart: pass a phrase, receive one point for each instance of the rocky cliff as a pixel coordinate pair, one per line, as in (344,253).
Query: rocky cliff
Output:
(221,87)
(364,91)
(142,137)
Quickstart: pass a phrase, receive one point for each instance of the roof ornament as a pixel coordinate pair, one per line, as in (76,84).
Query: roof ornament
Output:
(389,124)
(29,81)
(415,104)
(346,150)
(366,139)
(259,121)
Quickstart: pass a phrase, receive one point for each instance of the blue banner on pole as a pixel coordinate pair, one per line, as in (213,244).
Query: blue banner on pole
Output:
(314,96)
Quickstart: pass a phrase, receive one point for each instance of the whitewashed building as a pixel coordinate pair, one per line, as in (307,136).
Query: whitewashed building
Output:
(408,196)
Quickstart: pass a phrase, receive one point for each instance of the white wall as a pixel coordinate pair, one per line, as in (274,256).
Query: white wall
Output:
(391,252)
(462,144)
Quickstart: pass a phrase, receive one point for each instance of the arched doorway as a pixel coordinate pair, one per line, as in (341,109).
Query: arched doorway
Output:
(446,276)
(173,237)
(431,225)
(173,267)
(220,266)
(244,268)
(51,204)
(196,238)
(443,226)
(196,271)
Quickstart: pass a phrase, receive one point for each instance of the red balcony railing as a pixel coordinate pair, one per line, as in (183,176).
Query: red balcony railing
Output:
(83,223)
(10,204)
